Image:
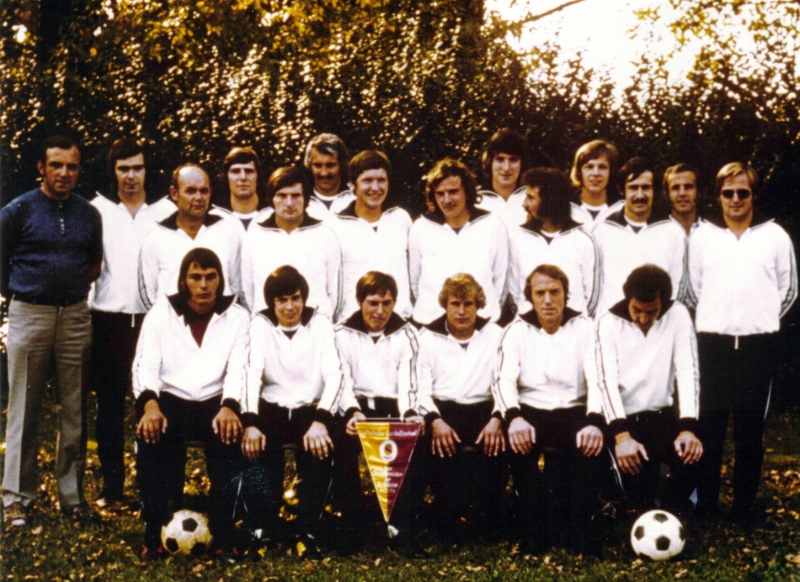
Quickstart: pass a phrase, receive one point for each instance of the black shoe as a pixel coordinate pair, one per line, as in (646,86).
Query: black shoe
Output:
(751,518)
(82,514)
(407,546)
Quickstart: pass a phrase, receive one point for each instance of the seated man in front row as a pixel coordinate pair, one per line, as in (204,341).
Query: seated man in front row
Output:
(293,380)
(378,350)
(457,365)
(543,394)
(644,344)
(188,380)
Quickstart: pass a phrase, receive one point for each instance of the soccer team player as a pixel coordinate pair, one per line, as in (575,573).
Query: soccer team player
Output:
(535,327)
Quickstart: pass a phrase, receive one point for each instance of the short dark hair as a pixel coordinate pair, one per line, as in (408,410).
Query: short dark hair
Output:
(631,170)
(121,149)
(332,145)
(55,141)
(238,155)
(173,181)
(462,285)
(205,259)
(504,141)
(679,169)
(591,151)
(444,169)
(368,160)
(551,271)
(647,283)
(375,282)
(288,176)
(285,280)
(555,191)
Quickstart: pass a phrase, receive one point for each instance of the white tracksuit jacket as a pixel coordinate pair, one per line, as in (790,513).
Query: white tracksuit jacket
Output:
(436,252)
(637,372)
(447,371)
(546,371)
(311,248)
(166,245)
(511,210)
(386,368)
(293,372)
(573,250)
(168,358)
(741,286)
(373,246)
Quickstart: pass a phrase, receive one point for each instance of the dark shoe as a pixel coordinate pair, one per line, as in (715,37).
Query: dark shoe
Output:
(82,514)
(15,515)
(407,546)
(153,553)
(751,518)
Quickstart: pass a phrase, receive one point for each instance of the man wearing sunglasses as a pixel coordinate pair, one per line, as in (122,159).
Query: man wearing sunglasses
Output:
(743,276)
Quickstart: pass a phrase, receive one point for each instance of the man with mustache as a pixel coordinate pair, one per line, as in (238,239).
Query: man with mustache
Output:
(326,158)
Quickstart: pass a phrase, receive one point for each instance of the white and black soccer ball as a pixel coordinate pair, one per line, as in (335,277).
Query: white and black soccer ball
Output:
(657,535)
(186,533)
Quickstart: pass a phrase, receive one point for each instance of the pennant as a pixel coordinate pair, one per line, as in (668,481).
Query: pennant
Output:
(388,445)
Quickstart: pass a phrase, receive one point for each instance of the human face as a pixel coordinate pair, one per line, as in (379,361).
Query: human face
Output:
(193,193)
(376,310)
(644,314)
(59,172)
(202,285)
(532,201)
(548,301)
(327,172)
(371,189)
(639,197)
(289,309)
(736,209)
(461,315)
(452,201)
(242,180)
(505,170)
(594,176)
(289,205)
(683,193)
(130,175)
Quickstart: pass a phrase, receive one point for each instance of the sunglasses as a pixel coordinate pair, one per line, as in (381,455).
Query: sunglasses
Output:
(741,193)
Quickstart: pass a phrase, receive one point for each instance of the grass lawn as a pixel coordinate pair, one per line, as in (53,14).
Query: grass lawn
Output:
(53,549)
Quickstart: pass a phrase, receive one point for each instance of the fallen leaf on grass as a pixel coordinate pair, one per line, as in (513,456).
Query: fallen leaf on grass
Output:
(37,530)
(681,573)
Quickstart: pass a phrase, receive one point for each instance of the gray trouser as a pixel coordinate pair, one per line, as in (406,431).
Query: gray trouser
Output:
(38,336)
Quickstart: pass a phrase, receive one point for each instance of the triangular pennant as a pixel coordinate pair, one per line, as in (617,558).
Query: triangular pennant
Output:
(388,446)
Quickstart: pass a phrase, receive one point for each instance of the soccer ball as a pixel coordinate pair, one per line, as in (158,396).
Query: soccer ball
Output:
(657,535)
(186,533)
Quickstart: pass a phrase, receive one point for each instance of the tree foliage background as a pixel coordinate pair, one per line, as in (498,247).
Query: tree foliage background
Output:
(420,79)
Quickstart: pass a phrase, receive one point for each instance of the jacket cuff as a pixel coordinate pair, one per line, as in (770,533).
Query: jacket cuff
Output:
(249,419)
(595,419)
(323,416)
(143,399)
(512,413)
(619,425)
(409,413)
(690,424)
(431,416)
(233,405)
(348,414)
(498,415)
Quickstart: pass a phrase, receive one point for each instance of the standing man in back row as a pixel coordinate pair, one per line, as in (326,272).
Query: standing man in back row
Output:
(327,158)
(743,276)
(52,246)
(117,308)
(372,239)
(502,163)
(593,172)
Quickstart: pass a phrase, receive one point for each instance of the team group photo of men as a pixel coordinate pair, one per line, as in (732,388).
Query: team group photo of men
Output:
(572,346)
